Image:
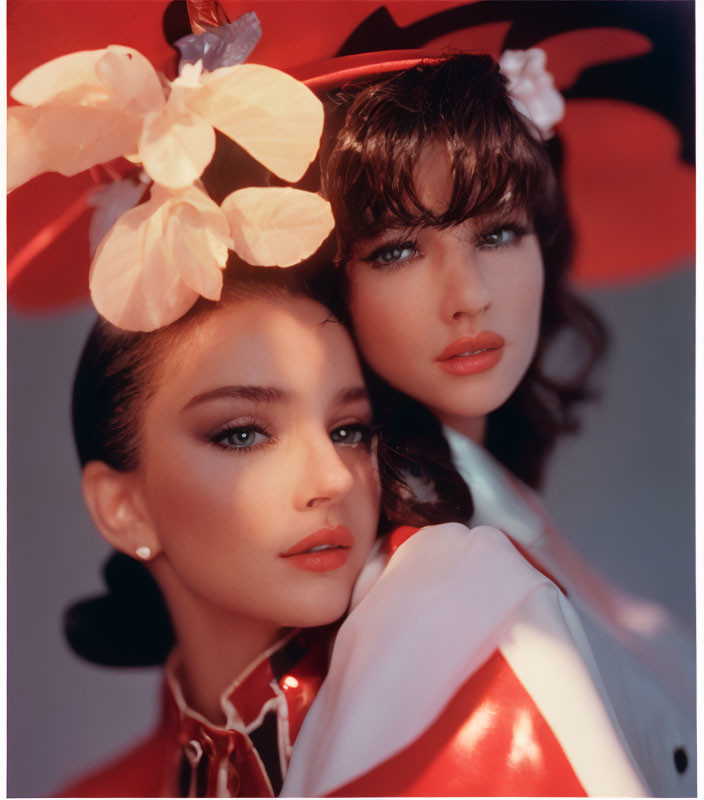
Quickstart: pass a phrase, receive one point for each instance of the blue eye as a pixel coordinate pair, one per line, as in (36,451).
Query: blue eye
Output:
(352,434)
(392,253)
(242,438)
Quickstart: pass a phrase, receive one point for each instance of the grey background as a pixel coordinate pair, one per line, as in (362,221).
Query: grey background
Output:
(622,492)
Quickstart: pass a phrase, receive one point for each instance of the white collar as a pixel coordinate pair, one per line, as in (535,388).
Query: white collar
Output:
(233,721)
(497,501)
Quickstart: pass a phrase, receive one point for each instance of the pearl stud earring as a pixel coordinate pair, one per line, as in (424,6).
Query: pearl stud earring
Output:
(144,552)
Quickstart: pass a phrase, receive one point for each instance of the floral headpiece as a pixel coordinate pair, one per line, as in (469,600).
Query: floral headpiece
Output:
(153,260)
(532,88)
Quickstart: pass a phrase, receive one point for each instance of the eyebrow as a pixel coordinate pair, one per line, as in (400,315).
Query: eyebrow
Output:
(256,394)
(351,394)
(269,394)
(391,226)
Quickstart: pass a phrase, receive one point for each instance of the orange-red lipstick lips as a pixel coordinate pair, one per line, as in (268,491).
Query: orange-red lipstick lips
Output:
(471,355)
(322,551)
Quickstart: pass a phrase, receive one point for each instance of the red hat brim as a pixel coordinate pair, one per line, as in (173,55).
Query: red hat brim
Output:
(619,194)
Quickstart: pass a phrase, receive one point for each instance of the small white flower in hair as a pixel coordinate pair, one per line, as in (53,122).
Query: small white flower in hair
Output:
(532,88)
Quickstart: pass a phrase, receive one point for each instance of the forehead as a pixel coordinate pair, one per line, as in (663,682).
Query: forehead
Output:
(433,178)
(288,342)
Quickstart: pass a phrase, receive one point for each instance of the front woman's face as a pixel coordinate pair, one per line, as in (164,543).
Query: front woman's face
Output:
(256,439)
(449,316)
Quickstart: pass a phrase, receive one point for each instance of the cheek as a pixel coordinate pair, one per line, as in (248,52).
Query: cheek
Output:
(518,293)
(365,497)
(385,310)
(200,501)
(218,521)
(532,296)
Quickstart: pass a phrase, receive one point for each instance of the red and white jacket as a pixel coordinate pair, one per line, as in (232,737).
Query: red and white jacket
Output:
(645,657)
(247,756)
(461,670)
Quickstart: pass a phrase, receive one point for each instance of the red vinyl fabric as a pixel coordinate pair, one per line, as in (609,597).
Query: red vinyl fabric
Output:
(187,757)
(469,750)
(460,671)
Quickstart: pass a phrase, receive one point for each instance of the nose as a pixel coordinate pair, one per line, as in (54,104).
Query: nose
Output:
(466,294)
(325,479)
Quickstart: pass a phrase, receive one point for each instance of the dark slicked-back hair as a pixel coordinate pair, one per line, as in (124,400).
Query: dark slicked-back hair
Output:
(376,134)
(119,372)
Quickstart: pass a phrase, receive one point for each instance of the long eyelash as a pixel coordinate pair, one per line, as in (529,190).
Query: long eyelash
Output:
(216,437)
(372,258)
(519,229)
(368,431)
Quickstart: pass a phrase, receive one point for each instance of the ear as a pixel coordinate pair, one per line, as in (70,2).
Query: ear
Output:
(115,504)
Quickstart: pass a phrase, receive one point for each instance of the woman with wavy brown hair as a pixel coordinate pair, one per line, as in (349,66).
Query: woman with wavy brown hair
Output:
(454,244)
(231,452)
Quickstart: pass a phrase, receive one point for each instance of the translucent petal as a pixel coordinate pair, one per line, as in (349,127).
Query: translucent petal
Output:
(133,80)
(277,226)
(117,77)
(197,237)
(24,160)
(133,282)
(188,75)
(276,118)
(111,202)
(65,139)
(64,74)
(197,262)
(212,216)
(176,146)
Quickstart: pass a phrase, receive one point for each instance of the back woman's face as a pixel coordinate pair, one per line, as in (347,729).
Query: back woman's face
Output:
(257,471)
(449,316)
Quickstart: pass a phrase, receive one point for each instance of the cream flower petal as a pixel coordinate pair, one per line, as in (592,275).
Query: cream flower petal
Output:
(277,226)
(176,146)
(133,282)
(24,160)
(197,235)
(65,139)
(189,75)
(277,119)
(66,74)
(198,256)
(117,77)
(133,80)
(212,216)
(110,203)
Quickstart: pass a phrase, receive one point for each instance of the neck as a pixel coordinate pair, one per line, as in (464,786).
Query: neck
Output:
(215,646)
(473,428)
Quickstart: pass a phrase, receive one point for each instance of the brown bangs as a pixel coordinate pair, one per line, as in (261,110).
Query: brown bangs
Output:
(496,163)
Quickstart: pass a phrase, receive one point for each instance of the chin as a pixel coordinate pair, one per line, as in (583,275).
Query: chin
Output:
(463,409)
(476,395)
(314,612)
(472,403)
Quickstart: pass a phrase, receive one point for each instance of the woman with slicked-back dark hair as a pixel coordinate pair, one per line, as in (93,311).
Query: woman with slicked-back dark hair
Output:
(228,445)
(178,431)
(288,520)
